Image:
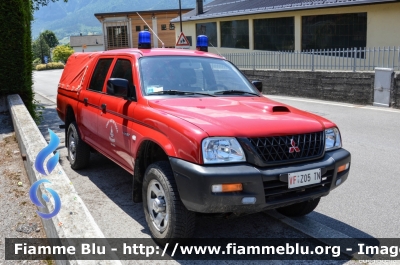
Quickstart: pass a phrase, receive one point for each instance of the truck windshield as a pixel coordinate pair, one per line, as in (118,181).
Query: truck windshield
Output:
(202,76)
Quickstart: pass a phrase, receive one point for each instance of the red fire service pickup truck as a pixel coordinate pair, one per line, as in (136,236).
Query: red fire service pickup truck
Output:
(196,135)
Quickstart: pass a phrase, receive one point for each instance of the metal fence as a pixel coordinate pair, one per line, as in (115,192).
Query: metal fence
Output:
(356,59)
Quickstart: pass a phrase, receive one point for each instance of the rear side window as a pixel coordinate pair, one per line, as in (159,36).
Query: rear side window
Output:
(100,74)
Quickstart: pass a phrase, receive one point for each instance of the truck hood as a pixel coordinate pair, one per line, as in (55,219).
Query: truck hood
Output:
(241,116)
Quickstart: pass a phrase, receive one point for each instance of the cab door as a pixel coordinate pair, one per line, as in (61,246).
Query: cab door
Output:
(89,102)
(116,110)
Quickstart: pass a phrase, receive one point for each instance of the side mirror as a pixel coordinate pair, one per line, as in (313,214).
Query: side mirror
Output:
(258,85)
(120,87)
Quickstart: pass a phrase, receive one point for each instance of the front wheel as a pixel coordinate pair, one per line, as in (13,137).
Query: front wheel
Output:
(167,217)
(299,209)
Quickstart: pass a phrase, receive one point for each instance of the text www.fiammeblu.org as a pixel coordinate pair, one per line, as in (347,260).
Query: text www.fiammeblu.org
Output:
(288,249)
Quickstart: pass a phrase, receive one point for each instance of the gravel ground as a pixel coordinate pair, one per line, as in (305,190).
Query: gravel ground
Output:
(18,218)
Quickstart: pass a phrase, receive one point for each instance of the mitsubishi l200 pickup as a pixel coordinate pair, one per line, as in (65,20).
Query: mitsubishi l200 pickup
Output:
(197,136)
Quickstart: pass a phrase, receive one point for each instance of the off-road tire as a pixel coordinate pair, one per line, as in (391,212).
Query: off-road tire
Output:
(78,150)
(299,209)
(181,222)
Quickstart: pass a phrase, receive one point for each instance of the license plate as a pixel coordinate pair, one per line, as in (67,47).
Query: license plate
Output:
(304,178)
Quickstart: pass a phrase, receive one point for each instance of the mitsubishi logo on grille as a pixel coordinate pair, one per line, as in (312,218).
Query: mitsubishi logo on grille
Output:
(294,147)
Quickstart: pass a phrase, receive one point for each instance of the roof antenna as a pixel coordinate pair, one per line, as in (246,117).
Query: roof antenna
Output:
(151,29)
(216,50)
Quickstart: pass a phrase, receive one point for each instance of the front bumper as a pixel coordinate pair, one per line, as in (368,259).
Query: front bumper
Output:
(268,185)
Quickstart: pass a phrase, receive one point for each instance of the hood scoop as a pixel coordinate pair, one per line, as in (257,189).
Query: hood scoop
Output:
(280,109)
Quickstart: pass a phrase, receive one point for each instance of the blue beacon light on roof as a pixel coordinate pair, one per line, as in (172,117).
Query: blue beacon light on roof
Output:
(144,40)
(202,43)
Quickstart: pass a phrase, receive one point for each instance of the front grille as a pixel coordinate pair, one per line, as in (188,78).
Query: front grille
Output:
(277,190)
(279,149)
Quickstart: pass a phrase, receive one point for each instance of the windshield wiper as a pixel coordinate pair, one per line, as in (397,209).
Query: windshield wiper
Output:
(178,92)
(235,92)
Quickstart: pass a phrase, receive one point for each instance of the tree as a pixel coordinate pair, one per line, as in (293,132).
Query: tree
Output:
(36,4)
(40,48)
(62,53)
(16,49)
(50,38)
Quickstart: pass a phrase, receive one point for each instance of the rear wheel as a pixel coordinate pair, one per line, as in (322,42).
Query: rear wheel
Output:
(167,217)
(78,150)
(299,209)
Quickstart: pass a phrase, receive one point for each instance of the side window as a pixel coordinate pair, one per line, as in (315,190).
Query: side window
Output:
(122,69)
(100,74)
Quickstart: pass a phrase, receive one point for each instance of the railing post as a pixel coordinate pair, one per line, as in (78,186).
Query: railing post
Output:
(312,60)
(254,61)
(279,61)
(354,59)
(398,58)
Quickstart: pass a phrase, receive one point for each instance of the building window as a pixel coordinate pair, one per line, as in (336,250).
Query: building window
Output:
(171,26)
(117,37)
(137,28)
(235,34)
(189,38)
(334,31)
(163,26)
(208,29)
(146,28)
(274,34)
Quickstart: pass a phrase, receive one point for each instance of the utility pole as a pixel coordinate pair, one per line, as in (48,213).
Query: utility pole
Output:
(180,14)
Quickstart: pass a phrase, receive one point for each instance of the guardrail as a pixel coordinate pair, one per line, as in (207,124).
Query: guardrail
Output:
(356,59)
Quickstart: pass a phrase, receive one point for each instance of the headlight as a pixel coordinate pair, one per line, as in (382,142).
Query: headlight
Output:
(332,139)
(222,150)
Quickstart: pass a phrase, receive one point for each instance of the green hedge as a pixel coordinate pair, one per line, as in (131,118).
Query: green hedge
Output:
(15,50)
(49,66)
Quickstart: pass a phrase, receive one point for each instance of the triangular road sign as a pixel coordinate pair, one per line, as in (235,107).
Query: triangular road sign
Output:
(182,41)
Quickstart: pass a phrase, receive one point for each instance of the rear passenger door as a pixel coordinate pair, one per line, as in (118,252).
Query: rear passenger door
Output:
(115,136)
(89,101)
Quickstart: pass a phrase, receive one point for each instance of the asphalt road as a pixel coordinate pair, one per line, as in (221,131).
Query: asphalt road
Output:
(366,205)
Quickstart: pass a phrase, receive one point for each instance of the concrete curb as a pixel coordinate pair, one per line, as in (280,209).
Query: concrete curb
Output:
(74,219)
(44,96)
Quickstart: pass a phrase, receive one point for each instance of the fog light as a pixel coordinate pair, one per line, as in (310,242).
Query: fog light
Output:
(249,200)
(338,182)
(343,167)
(227,187)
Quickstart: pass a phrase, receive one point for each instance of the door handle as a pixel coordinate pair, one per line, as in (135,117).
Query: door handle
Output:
(85,100)
(103,107)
